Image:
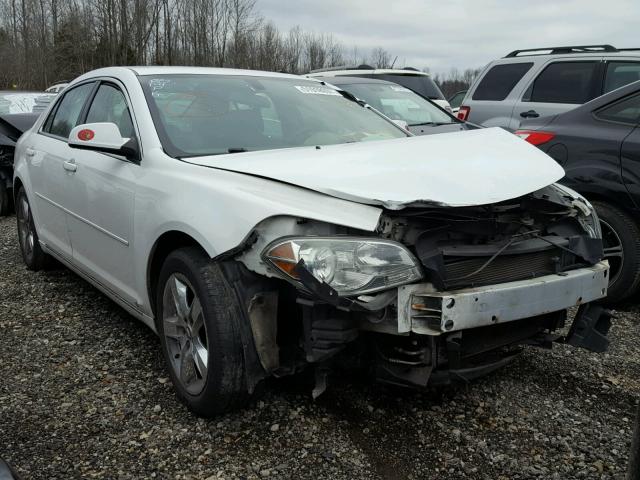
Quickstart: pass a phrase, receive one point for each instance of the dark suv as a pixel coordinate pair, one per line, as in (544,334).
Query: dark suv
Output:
(598,144)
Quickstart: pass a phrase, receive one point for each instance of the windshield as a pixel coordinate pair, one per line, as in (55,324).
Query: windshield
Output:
(399,103)
(24,102)
(214,114)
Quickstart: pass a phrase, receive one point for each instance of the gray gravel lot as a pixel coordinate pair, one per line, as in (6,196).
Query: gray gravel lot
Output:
(84,394)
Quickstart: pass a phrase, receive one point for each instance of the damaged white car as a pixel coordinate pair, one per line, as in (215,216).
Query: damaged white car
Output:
(263,223)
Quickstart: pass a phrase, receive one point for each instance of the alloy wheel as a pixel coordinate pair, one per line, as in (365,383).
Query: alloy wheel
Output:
(185,333)
(25,231)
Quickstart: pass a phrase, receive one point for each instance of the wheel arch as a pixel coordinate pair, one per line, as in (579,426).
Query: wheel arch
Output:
(17,183)
(166,243)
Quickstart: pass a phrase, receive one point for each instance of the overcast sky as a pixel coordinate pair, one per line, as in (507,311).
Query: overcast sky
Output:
(460,33)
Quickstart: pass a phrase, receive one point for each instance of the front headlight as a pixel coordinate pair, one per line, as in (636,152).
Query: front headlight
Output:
(351,266)
(591,224)
(587,215)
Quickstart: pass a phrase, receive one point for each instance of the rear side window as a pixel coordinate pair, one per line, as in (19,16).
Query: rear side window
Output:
(620,74)
(564,82)
(500,80)
(626,110)
(421,84)
(67,113)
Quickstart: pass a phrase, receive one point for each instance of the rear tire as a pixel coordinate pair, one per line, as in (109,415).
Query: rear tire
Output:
(198,319)
(32,254)
(5,199)
(621,241)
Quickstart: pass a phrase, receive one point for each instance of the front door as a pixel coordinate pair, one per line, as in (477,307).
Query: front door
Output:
(102,201)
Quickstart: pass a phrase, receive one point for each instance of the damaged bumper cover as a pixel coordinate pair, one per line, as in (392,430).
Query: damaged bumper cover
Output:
(423,310)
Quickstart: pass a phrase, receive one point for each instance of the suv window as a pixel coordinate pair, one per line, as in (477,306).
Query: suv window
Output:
(421,84)
(109,105)
(500,80)
(564,82)
(67,114)
(626,110)
(620,74)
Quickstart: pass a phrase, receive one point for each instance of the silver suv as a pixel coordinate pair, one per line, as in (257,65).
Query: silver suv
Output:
(546,81)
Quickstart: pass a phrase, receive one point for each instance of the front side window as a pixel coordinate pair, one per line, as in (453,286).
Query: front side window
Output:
(620,74)
(216,114)
(498,82)
(399,103)
(626,111)
(67,114)
(564,82)
(109,105)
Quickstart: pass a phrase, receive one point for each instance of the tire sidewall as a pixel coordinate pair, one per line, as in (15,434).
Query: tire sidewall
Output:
(31,261)
(627,282)
(223,354)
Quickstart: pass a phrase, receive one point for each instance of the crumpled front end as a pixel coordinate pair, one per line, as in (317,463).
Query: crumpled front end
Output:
(438,294)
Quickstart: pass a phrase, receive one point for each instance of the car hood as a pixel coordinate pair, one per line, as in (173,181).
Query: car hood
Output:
(476,167)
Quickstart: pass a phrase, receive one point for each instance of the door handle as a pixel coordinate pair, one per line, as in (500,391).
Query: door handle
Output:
(530,114)
(30,152)
(70,166)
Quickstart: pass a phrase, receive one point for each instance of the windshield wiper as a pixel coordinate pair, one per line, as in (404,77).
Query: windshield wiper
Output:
(237,150)
(435,124)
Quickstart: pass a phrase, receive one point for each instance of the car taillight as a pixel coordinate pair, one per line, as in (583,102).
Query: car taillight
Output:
(463,113)
(535,137)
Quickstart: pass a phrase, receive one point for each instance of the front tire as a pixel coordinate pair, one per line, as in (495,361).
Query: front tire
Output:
(32,254)
(198,322)
(621,243)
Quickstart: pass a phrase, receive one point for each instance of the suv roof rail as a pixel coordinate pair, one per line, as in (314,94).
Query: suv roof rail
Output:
(569,49)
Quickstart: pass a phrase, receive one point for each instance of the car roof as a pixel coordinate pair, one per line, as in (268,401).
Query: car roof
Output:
(179,70)
(21,92)
(352,80)
(367,71)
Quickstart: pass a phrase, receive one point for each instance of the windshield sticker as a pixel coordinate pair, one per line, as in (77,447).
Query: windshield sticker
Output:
(316,90)
(398,88)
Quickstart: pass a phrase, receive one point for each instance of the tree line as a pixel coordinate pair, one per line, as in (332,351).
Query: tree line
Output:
(46,41)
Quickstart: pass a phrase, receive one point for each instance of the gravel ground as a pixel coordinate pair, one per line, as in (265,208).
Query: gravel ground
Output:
(84,394)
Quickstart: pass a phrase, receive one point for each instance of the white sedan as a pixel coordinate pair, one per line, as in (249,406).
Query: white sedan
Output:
(263,223)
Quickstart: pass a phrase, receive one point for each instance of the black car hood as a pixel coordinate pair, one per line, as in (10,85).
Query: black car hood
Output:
(14,125)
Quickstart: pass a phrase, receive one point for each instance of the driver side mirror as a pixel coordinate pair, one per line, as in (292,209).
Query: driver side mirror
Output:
(104,137)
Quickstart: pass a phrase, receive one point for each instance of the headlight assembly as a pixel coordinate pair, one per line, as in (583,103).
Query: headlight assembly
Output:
(587,215)
(351,266)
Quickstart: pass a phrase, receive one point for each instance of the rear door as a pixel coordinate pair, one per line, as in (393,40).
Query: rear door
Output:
(49,158)
(491,100)
(562,85)
(102,193)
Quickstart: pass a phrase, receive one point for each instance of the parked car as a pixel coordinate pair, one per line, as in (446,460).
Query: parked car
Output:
(419,82)
(546,81)
(456,100)
(419,115)
(57,87)
(263,223)
(16,116)
(598,145)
